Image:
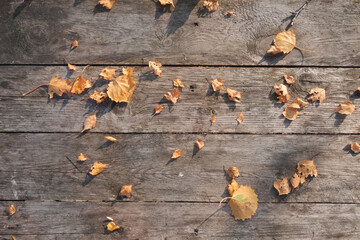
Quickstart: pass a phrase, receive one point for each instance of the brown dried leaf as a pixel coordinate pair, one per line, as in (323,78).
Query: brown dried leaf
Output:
(211,5)
(289,79)
(345,107)
(108,4)
(282,92)
(89,122)
(82,157)
(199,143)
(11,210)
(155,66)
(300,102)
(230,13)
(123,87)
(167,3)
(282,186)
(295,180)
(232,187)
(178,83)
(305,169)
(80,85)
(110,138)
(233,95)
(318,94)
(217,84)
(243,203)
(158,109)
(355,147)
(173,96)
(212,119)
(126,190)
(71,67)
(59,87)
(74,44)
(99,97)
(111,226)
(284,41)
(97,168)
(240,118)
(292,111)
(176,154)
(233,172)
(108,73)
(13,237)
(273,50)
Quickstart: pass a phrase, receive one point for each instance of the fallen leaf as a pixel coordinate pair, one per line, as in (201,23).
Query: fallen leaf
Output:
(71,67)
(123,87)
(158,109)
(199,143)
(229,13)
(292,111)
(345,108)
(355,147)
(211,5)
(233,95)
(213,119)
(82,157)
(155,66)
(176,154)
(300,102)
(240,117)
(108,4)
(233,172)
(111,226)
(173,96)
(289,79)
(295,180)
(97,168)
(13,237)
(243,203)
(282,186)
(282,92)
(305,169)
(99,97)
(273,50)
(110,218)
(167,3)
(111,139)
(11,210)
(89,122)
(232,187)
(80,85)
(108,73)
(126,190)
(59,87)
(217,84)
(284,42)
(178,83)
(74,44)
(318,94)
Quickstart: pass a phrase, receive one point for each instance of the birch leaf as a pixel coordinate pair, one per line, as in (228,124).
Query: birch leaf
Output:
(111,139)
(178,83)
(233,95)
(217,84)
(346,108)
(243,203)
(199,143)
(80,85)
(155,66)
(123,87)
(99,97)
(176,154)
(284,41)
(158,109)
(108,4)
(111,226)
(89,123)
(232,187)
(59,87)
(108,73)
(71,67)
(240,117)
(11,209)
(318,94)
(355,147)
(97,168)
(282,186)
(173,96)
(82,157)
(74,44)
(126,190)
(211,5)
(233,172)
(289,79)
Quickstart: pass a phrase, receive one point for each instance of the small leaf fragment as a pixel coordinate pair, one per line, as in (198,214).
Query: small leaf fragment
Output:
(346,108)
(295,180)
(13,237)
(108,4)
(59,87)
(110,138)
(318,94)
(232,187)
(158,109)
(199,143)
(97,168)
(155,66)
(167,3)
(178,83)
(233,95)
(305,169)
(282,92)
(243,203)
(11,209)
(355,147)
(71,67)
(284,42)
(111,226)
(233,172)
(108,73)
(289,79)
(80,85)
(126,190)
(176,154)
(217,84)
(74,44)
(240,118)
(211,5)
(212,119)
(123,87)
(99,97)
(173,96)
(82,157)
(89,122)
(282,186)
(273,50)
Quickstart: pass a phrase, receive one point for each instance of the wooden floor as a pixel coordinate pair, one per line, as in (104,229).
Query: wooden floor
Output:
(40,138)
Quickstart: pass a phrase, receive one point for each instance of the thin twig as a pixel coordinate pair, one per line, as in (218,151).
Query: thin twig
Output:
(42,85)
(297,13)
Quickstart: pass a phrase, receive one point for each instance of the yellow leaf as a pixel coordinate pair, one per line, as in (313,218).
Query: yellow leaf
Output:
(345,108)
(355,147)
(99,97)
(111,226)
(97,168)
(11,210)
(74,44)
(282,186)
(80,85)
(13,237)
(243,203)
(71,67)
(306,168)
(111,139)
(178,83)
(240,117)
(289,79)
(158,109)
(82,157)
(199,143)
(233,172)
(176,154)
(273,50)
(292,111)
(213,119)
(123,87)
(282,92)
(217,84)
(167,3)
(108,73)
(285,41)
(232,187)
(89,123)
(318,94)
(155,66)
(126,190)
(173,96)
(295,180)
(59,87)
(108,4)
(211,5)
(233,95)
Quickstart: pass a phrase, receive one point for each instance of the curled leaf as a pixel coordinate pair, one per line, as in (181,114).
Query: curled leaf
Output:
(243,203)
(178,83)
(80,85)
(99,97)
(232,187)
(217,84)
(82,157)
(284,42)
(123,87)
(71,67)
(167,3)
(155,66)
(126,190)
(240,117)
(282,186)
(199,143)
(346,108)
(289,79)
(305,169)
(282,92)
(158,109)
(233,172)
(355,147)
(89,122)
(318,94)
(292,111)
(273,50)
(108,4)
(111,139)
(97,168)
(173,96)
(108,73)
(111,226)
(11,210)
(74,44)
(59,87)
(213,119)
(233,95)
(211,5)
(295,180)
(176,154)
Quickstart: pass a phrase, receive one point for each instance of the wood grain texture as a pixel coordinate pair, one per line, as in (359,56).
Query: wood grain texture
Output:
(134,32)
(36,113)
(38,166)
(179,220)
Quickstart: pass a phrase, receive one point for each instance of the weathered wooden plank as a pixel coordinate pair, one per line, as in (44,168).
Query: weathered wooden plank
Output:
(192,113)
(181,220)
(137,31)
(35,166)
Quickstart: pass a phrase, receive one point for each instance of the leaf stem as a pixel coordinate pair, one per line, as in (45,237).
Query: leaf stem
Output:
(297,13)
(42,85)
(223,200)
